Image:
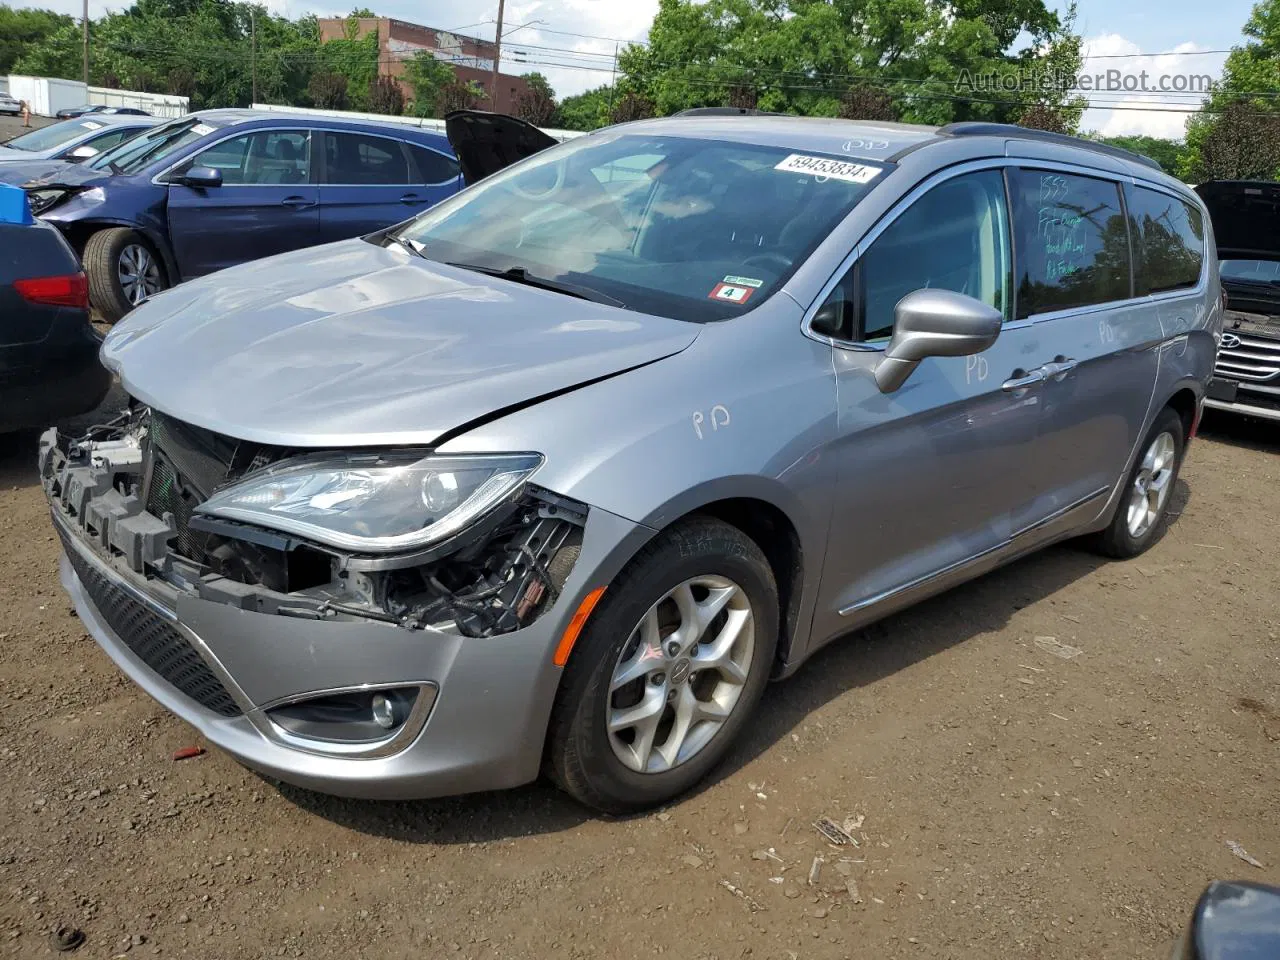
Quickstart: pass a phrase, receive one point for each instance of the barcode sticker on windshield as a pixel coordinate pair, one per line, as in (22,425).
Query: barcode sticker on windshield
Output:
(202,129)
(825,168)
(91,125)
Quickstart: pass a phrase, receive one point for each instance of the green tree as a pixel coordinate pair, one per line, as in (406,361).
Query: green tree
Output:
(385,97)
(538,104)
(427,76)
(1163,152)
(584,111)
(23,29)
(355,57)
(802,56)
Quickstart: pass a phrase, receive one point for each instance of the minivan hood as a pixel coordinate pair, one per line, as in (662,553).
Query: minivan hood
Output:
(484,142)
(355,344)
(1246,218)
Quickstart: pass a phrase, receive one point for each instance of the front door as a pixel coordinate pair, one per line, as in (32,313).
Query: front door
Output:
(266,205)
(928,476)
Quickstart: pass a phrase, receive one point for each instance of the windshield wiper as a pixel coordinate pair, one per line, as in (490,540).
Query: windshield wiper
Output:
(522,275)
(407,244)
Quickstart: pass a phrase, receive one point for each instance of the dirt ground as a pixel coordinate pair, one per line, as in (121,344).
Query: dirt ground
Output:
(1011,803)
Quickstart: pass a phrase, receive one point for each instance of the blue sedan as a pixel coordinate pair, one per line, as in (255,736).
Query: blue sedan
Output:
(220,187)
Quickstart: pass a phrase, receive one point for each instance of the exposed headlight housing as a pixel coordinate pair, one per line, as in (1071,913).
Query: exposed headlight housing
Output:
(42,200)
(371,503)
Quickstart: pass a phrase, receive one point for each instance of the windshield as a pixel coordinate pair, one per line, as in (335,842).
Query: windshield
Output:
(55,135)
(156,144)
(1259,271)
(686,228)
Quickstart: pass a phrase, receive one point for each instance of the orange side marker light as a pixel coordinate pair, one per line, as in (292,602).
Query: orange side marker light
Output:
(575,626)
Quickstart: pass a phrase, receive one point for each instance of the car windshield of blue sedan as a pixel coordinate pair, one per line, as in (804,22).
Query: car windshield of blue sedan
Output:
(688,228)
(152,146)
(55,135)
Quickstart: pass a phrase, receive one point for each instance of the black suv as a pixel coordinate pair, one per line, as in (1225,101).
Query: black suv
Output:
(1246,224)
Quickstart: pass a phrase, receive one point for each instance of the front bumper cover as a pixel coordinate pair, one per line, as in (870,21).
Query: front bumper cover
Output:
(483,706)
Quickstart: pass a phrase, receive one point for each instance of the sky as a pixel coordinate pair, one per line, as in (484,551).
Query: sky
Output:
(572,42)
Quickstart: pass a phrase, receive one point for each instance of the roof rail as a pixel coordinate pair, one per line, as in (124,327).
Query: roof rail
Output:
(726,112)
(979,128)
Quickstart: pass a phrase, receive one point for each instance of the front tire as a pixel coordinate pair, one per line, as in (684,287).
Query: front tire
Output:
(667,671)
(123,270)
(1141,515)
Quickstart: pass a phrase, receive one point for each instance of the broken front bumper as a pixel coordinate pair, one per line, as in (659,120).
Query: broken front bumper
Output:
(480,705)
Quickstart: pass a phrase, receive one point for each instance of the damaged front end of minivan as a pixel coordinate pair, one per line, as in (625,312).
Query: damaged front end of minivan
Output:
(144,491)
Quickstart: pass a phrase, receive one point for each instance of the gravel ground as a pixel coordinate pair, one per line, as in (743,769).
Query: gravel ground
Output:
(11,127)
(1006,802)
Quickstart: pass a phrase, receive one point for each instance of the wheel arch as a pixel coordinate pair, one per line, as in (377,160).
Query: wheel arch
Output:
(1185,401)
(78,233)
(775,520)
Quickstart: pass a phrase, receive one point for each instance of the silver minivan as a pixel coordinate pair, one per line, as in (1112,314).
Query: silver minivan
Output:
(555,476)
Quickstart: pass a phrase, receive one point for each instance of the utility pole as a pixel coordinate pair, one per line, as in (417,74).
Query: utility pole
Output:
(497,54)
(613,81)
(85,22)
(253,43)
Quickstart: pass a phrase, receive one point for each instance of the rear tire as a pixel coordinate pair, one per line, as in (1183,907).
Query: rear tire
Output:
(693,620)
(1141,515)
(123,269)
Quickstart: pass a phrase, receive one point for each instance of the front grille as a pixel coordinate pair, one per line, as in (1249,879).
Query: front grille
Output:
(1254,358)
(151,638)
(185,464)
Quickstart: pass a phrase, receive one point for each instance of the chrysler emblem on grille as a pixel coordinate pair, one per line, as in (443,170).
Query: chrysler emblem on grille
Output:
(1229,341)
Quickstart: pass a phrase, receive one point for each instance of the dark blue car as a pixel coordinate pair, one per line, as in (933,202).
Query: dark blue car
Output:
(217,188)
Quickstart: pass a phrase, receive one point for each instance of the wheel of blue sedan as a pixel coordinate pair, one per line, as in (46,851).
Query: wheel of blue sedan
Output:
(670,665)
(123,270)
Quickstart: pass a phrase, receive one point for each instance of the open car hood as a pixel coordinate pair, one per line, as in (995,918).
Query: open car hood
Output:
(356,344)
(1245,216)
(487,142)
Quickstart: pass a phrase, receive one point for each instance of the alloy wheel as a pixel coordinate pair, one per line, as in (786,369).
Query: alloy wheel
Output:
(680,674)
(138,272)
(1151,486)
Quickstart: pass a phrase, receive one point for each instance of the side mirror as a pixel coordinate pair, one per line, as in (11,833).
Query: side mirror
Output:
(82,153)
(200,178)
(935,323)
(1234,919)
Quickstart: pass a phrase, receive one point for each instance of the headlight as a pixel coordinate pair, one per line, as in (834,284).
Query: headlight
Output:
(42,200)
(371,503)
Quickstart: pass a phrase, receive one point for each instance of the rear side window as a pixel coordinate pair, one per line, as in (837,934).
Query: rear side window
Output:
(357,159)
(1169,241)
(1072,241)
(433,167)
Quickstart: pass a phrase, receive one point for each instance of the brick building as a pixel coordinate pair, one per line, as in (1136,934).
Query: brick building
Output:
(399,41)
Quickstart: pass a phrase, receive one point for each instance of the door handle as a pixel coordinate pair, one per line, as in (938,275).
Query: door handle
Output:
(1058,369)
(410,198)
(1024,382)
(298,203)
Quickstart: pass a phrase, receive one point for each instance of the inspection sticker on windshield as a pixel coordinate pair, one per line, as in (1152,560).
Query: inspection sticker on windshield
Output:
(744,282)
(729,293)
(200,129)
(825,168)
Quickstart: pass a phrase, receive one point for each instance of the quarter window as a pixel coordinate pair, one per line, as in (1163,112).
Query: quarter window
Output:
(1072,241)
(357,159)
(267,157)
(433,167)
(1170,241)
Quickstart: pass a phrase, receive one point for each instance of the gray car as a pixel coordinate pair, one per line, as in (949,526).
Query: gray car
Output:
(71,141)
(555,476)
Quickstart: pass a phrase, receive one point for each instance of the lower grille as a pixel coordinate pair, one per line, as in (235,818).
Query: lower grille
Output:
(152,639)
